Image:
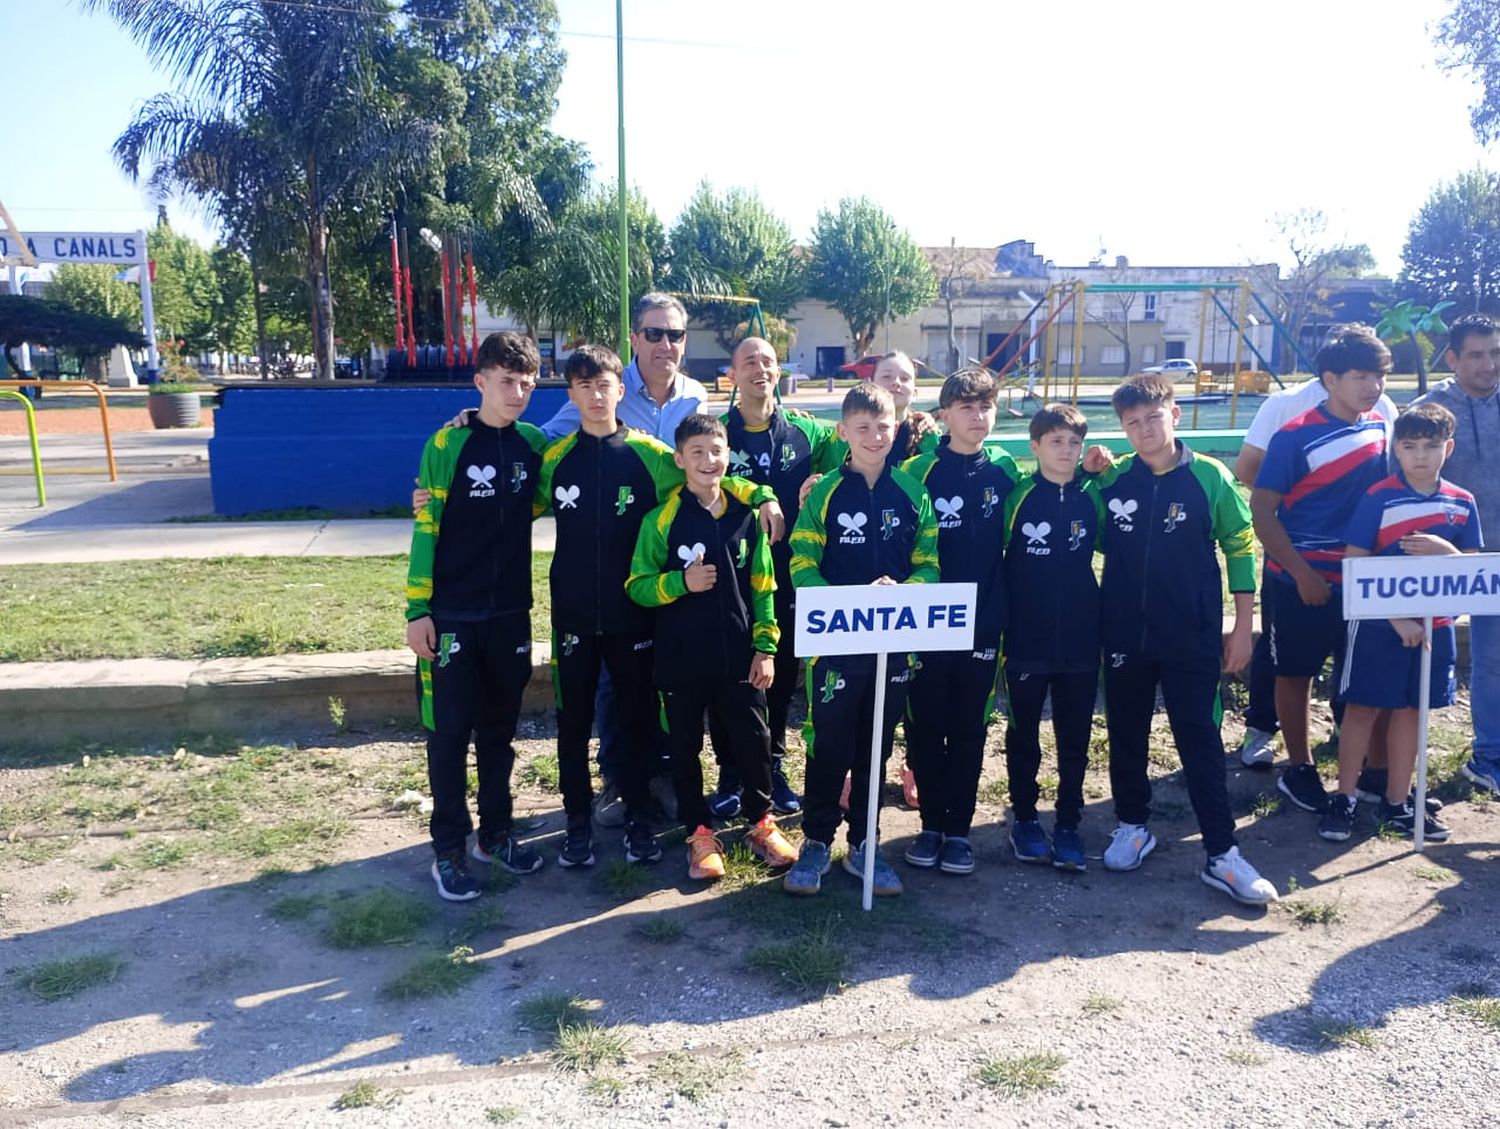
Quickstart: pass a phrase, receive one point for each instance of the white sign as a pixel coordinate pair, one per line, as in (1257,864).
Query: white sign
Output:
(77,247)
(869,619)
(1387,587)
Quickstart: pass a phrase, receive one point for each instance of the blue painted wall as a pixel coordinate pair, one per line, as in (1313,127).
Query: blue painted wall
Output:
(345,449)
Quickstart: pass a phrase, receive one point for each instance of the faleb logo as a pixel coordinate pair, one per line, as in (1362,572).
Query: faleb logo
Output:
(852,528)
(833,682)
(625,499)
(1176,515)
(1122,510)
(481,481)
(448,646)
(989,500)
(949,512)
(518,477)
(739,462)
(687,554)
(889,523)
(1036,538)
(1075,535)
(567,497)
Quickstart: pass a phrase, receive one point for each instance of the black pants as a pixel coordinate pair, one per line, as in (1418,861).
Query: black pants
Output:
(576,662)
(1191,695)
(778,697)
(1073,696)
(838,733)
(947,716)
(741,709)
(1260,713)
(473,687)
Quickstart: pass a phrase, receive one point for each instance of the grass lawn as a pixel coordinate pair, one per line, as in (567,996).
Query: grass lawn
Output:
(229,606)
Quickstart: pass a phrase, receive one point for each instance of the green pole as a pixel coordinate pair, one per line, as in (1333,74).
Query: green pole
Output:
(620,187)
(36,454)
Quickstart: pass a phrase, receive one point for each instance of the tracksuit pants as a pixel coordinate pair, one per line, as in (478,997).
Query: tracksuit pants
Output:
(1073,697)
(473,688)
(1260,712)
(1191,695)
(742,710)
(778,697)
(838,734)
(576,663)
(947,717)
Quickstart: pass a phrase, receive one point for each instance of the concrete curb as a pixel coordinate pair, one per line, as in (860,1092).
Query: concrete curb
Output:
(158,699)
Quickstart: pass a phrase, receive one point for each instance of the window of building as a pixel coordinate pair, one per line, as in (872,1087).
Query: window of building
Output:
(1148,354)
(1065,356)
(1112,355)
(1150,308)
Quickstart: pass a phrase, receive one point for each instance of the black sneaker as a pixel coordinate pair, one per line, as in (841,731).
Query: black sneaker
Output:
(577,849)
(784,801)
(503,850)
(724,801)
(451,873)
(1434,805)
(640,843)
(1301,784)
(1337,823)
(1400,818)
(1370,788)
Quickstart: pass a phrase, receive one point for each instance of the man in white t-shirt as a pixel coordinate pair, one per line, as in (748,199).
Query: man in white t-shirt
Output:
(1261,725)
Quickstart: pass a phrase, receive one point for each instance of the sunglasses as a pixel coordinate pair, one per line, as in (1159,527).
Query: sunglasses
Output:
(654,334)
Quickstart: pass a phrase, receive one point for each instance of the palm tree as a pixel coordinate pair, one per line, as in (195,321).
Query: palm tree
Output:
(280,110)
(1407,319)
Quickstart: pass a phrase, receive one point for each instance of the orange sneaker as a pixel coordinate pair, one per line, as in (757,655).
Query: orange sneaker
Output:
(705,854)
(769,844)
(909,787)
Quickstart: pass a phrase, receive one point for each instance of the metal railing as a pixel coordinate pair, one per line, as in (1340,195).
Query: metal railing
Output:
(36,451)
(109,447)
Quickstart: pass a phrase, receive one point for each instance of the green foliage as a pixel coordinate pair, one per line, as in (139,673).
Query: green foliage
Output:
(1408,320)
(548,1011)
(1452,250)
(813,964)
(584,1046)
(1470,41)
(1018,1076)
(378,917)
(441,974)
(59,979)
(43,321)
(92,288)
(866,269)
(184,291)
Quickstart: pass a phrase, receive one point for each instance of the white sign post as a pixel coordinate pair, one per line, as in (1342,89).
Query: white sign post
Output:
(1420,588)
(879,619)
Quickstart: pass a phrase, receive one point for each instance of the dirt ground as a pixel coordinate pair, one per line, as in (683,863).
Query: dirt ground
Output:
(79,416)
(213,882)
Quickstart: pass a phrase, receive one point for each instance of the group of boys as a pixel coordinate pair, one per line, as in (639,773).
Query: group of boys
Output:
(665,575)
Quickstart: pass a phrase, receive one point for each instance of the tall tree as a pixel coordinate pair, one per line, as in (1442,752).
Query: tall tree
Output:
(184,290)
(93,288)
(1315,258)
(1452,250)
(232,318)
(958,271)
(734,245)
(1470,38)
(295,92)
(867,269)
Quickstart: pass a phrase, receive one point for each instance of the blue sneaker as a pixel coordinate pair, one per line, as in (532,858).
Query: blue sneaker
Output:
(887,882)
(806,875)
(1482,776)
(454,882)
(1067,849)
(724,805)
(1029,841)
(925,849)
(958,856)
(784,801)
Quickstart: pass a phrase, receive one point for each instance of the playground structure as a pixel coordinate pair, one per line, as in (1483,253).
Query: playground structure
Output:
(1047,333)
(453,360)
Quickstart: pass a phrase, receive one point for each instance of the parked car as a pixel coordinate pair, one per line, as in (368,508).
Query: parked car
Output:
(1177,368)
(862,369)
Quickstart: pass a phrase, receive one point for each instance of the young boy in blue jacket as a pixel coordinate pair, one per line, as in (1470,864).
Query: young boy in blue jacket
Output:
(1052,521)
(1162,625)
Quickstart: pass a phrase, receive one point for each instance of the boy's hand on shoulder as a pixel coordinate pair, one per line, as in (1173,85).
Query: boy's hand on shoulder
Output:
(923,424)
(772,521)
(762,671)
(419,498)
(1411,632)
(806,489)
(1427,545)
(421,637)
(700,577)
(1097,459)
(1313,590)
(463,418)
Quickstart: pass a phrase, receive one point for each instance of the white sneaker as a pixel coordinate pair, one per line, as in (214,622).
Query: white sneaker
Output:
(1255,749)
(1129,844)
(1233,874)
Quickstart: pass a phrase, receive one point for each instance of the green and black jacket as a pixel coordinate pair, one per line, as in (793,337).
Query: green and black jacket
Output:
(471,544)
(1162,590)
(705,636)
(848,533)
(968,495)
(599,491)
(1051,533)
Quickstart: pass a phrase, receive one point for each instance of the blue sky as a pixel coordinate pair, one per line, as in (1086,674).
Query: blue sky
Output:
(1169,132)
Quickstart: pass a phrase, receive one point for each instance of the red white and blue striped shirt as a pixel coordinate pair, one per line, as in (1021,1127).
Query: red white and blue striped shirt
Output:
(1321,466)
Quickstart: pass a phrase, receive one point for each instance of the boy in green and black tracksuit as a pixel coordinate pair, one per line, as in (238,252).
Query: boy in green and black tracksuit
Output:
(864,524)
(468,610)
(1051,645)
(600,482)
(948,708)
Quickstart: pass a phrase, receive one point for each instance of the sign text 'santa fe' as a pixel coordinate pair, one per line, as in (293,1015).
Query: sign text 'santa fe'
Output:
(79,246)
(884,618)
(872,619)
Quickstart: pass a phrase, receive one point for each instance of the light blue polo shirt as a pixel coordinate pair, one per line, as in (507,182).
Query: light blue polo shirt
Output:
(639,410)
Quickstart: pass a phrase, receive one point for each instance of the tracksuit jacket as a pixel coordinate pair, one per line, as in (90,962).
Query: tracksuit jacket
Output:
(599,490)
(1051,533)
(1162,589)
(968,495)
(705,637)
